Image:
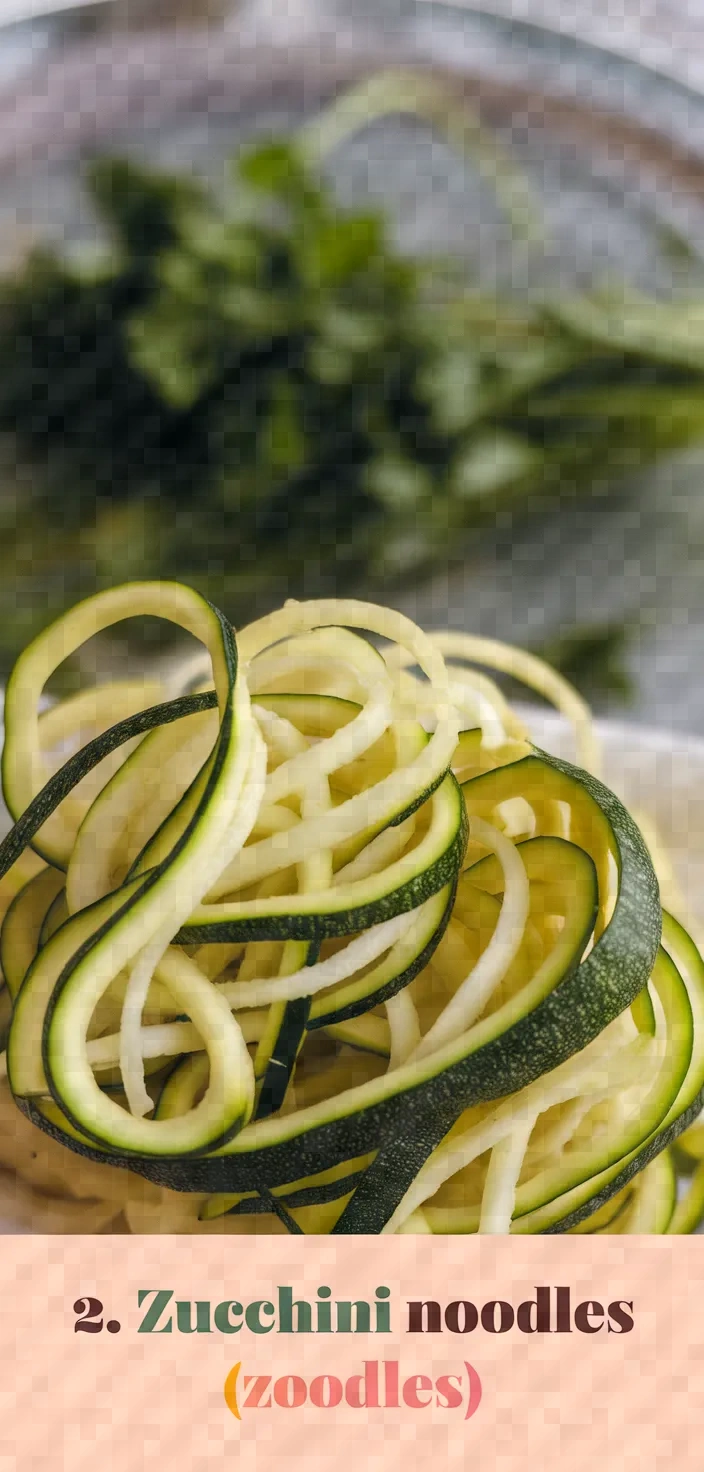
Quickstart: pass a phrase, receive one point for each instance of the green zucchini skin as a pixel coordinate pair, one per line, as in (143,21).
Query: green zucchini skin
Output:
(601,987)
(581,1005)
(622,1171)
(294,923)
(314,928)
(654,1147)
(65,984)
(278,1165)
(675,940)
(569,1190)
(300,1016)
(320,1018)
(316,1195)
(21,928)
(282,1061)
(305,1196)
(71,773)
(620,1209)
(418,802)
(594,994)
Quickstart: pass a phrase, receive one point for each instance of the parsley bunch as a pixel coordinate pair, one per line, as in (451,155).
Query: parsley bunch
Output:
(263,396)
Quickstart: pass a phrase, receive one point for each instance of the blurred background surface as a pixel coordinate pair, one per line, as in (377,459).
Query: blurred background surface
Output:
(601,116)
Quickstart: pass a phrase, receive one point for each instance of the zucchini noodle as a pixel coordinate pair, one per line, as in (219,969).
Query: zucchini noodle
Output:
(530,671)
(404,1028)
(313,938)
(502,1178)
(473,994)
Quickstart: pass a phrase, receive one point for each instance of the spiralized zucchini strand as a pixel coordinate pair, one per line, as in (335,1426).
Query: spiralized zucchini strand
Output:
(167,1039)
(531,671)
(131,1061)
(597,1069)
(474,993)
(505,1165)
(283,739)
(404,1027)
(478,702)
(312,979)
(220,914)
(276,1072)
(349,742)
(377,855)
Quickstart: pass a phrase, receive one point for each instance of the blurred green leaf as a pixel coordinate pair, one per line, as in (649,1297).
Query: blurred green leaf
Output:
(397,483)
(260,394)
(173,349)
(278,168)
(449,385)
(658,415)
(594,658)
(275,166)
(677,247)
(283,444)
(146,210)
(489,462)
(664,332)
(355,332)
(342,248)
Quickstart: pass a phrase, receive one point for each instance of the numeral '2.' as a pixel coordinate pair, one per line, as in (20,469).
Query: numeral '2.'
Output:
(89,1321)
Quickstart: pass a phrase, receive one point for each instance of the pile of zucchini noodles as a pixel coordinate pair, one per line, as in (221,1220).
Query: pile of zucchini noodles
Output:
(306,936)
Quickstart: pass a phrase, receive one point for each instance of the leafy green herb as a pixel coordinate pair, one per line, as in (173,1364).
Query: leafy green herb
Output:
(262,395)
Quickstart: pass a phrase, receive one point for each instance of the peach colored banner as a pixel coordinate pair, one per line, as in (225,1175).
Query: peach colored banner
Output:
(275,1352)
